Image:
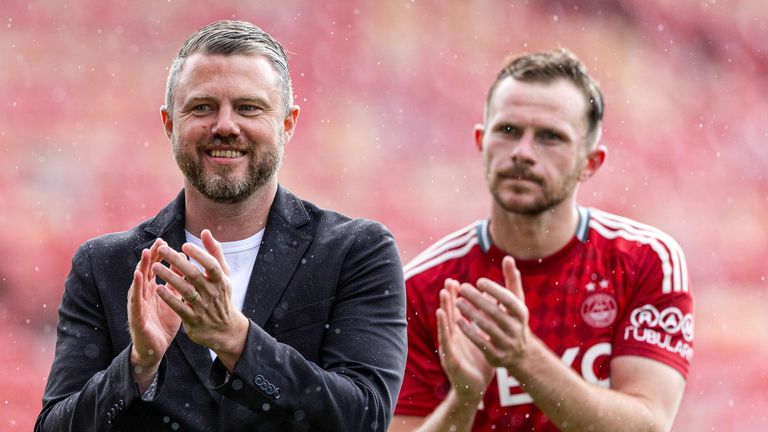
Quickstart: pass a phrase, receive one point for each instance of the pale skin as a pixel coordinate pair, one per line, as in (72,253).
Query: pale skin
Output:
(644,394)
(219,100)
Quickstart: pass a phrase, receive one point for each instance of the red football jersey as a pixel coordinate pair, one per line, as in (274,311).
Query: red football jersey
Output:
(617,288)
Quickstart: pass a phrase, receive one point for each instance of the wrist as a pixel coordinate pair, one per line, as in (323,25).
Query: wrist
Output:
(142,363)
(143,372)
(233,343)
(464,399)
(529,360)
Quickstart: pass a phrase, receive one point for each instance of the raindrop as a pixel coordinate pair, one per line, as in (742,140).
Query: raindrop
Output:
(237,384)
(91,351)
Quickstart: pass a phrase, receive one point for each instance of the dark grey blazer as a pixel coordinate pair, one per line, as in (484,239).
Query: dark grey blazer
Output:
(325,350)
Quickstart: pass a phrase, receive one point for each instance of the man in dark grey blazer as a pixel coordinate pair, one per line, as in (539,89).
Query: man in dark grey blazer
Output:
(239,306)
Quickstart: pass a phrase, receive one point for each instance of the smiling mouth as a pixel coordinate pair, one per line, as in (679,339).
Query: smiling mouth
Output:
(225,153)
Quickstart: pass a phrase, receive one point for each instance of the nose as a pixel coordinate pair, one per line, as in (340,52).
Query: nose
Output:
(226,123)
(523,150)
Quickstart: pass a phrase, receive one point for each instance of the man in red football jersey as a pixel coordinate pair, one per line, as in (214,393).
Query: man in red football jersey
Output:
(588,327)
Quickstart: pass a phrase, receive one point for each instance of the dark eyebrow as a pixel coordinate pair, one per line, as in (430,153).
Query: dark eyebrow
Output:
(197,99)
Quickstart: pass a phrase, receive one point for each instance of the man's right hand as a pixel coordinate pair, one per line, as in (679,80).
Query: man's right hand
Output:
(152,323)
(463,363)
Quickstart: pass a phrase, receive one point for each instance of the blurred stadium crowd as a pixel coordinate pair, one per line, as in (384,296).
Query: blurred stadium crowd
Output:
(390,91)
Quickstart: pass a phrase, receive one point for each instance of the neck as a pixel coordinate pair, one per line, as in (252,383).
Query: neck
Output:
(537,236)
(228,222)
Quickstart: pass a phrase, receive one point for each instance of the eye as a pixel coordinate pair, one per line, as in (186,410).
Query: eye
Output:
(508,129)
(550,136)
(202,109)
(249,109)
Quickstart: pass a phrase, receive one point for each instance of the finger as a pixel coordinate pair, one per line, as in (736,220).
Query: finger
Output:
(443,334)
(446,312)
(492,324)
(474,333)
(213,270)
(451,287)
(153,257)
(184,288)
(182,264)
(144,262)
(480,340)
(496,311)
(175,303)
(213,247)
(513,305)
(135,303)
(176,270)
(172,291)
(144,267)
(155,246)
(512,278)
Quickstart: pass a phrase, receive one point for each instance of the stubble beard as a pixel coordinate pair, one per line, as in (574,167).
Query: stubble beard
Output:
(219,186)
(551,195)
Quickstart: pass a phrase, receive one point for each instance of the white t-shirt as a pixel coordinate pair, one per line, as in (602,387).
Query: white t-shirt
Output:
(240,256)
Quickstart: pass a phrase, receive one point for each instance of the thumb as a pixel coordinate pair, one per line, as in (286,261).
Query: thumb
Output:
(512,277)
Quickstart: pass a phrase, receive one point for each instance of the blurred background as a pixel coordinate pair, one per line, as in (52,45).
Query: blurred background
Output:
(390,91)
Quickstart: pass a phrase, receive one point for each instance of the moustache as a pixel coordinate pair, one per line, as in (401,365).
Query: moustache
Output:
(519,172)
(226,143)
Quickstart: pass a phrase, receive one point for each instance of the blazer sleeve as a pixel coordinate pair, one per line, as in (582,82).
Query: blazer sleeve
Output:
(89,386)
(355,383)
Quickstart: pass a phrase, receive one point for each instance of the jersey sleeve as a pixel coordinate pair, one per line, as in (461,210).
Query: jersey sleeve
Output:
(658,322)
(425,384)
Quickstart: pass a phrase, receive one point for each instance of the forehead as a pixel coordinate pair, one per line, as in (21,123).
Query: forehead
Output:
(229,74)
(557,102)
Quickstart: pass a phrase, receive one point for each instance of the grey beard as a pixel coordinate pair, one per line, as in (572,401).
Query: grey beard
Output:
(218,188)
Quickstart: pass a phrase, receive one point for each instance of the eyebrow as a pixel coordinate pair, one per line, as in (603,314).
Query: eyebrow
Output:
(258,100)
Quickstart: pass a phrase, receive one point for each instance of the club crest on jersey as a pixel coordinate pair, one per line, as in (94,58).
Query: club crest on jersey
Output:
(599,310)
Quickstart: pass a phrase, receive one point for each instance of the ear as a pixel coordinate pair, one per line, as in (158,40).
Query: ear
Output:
(290,121)
(167,121)
(593,162)
(479,134)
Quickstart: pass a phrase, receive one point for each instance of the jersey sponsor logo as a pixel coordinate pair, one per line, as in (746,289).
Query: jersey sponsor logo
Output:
(599,310)
(658,328)
(671,320)
(510,393)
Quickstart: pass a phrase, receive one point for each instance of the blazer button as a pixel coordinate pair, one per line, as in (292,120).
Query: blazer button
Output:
(109,418)
(259,380)
(120,405)
(270,389)
(277,393)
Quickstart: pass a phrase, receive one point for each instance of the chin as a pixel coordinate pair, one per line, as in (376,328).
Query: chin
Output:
(529,207)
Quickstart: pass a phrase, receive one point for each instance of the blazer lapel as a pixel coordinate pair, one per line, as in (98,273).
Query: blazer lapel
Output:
(279,255)
(169,225)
